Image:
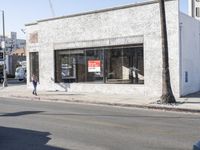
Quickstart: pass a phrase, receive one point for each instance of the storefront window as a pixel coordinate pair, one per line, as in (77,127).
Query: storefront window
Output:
(111,65)
(125,65)
(114,62)
(70,66)
(34,64)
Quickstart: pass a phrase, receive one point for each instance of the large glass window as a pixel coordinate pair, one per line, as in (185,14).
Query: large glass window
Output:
(34,64)
(70,66)
(125,65)
(121,65)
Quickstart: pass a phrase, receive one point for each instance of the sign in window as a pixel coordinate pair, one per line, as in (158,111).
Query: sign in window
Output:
(94,66)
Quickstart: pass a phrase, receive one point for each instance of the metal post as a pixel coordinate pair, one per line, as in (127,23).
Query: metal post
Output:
(4,53)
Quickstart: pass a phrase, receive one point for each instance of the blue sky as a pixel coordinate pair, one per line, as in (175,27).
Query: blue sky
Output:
(20,12)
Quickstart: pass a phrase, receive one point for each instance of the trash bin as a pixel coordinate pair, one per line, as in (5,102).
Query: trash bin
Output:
(196,146)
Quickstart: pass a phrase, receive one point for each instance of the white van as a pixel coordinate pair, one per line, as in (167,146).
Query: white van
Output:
(20,73)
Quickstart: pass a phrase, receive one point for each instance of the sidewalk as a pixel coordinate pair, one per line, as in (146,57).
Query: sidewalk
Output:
(189,104)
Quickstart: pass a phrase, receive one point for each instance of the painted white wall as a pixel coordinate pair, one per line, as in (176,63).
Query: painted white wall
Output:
(190,54)
(190,2)
(124,25)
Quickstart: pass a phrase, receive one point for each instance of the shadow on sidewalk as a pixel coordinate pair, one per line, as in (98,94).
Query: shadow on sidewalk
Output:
(21,139)
(193,98)
(65,86)
(192,95)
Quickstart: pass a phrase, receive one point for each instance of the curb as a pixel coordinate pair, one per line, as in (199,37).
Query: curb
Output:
(165,108)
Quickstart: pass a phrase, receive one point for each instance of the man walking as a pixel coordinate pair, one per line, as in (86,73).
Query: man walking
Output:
(35,81)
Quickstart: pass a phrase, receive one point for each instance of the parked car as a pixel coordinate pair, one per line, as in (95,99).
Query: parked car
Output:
(20,73)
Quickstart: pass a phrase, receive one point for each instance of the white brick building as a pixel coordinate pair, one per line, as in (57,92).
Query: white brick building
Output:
(194,8)
(116,50)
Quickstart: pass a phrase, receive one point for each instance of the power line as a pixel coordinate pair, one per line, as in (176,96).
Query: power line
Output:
(51,7)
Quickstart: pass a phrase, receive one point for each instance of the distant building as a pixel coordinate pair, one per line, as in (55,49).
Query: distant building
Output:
(194,8)
(116,51)
(11,44)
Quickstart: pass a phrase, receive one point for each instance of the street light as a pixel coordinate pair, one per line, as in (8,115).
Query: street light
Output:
(5,84)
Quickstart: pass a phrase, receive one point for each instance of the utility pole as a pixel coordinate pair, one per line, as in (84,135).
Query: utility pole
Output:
(5,84)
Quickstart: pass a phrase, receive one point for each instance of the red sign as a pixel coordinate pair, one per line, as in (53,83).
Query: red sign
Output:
(94,66)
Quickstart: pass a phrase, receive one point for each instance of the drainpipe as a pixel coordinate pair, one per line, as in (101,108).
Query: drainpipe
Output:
(180,58)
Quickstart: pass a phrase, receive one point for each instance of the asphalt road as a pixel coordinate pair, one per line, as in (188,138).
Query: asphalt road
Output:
(34,125)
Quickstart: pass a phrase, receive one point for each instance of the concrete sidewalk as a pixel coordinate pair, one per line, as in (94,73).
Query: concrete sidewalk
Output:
(187,104)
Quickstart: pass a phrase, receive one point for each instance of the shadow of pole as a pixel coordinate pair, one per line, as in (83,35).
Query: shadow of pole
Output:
(65,86)
(20,113)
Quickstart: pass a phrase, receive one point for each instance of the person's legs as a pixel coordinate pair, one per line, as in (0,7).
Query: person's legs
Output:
(34,89)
